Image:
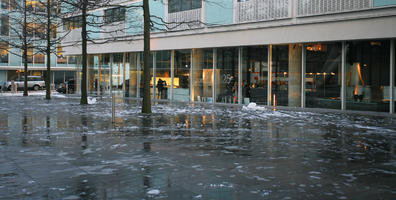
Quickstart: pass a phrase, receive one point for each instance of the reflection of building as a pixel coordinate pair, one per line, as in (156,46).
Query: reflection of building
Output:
(299,52)
(11,63)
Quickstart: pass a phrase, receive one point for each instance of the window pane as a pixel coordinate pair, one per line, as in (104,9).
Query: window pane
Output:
(3,52)
(286,75)
(227,75)
(203,75)
(255,74)
(4,25)
(181,82)
(196,4)
(323,75)
(163,74)
(367,75)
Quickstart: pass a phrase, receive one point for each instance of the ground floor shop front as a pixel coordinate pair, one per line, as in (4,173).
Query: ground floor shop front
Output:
(347,75)
(58,76)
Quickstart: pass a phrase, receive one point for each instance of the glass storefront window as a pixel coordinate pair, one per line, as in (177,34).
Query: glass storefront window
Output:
(367,75)
(117,71)
(72,60)
(163,74)
(133,75)
(227,75)
(93,73)
(104,78)
(323,75)
(255,74)
(202,75)
(286,75)
(181,81)
(4,48)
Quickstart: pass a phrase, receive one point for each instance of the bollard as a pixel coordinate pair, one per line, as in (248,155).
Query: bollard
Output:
(274,103)
(112,108)
(13,86)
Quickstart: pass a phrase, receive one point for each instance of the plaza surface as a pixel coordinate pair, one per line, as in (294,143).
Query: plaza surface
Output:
(59,149)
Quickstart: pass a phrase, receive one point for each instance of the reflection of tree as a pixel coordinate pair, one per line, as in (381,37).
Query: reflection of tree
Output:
(48,123)
(86,189)
(25,128)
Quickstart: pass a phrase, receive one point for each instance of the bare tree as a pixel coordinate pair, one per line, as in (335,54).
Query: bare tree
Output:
(86,18)
(146,104)
(19,15)
(149,22)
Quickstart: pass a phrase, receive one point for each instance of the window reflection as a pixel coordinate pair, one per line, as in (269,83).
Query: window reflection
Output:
(255,74)
(227,75)
(367,75)
(203,75)
(286,75)
(181,82)
(323,75)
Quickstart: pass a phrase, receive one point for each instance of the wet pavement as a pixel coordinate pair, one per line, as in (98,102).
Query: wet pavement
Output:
(59,149)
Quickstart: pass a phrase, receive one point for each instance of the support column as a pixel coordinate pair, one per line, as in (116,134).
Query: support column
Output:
(172,73)
(269,89)
(392,77)
(191,77)
(99,73)
(343,75)
(138,75)
(123,71)
(197,75)
(303,71)
(214,75)
(294,75)
(154,75)
(239,75)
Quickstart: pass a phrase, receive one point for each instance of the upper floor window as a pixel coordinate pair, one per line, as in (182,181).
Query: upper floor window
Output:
(5,28)
(181,5)
(4,4)
(114,15)
(3,52)
(72,23)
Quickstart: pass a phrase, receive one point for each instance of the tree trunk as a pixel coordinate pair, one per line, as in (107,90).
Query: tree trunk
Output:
(84,92)
(48,79)
(146,106)
(25,48)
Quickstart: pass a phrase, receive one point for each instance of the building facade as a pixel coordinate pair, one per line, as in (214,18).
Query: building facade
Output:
(337,54)
(11,62)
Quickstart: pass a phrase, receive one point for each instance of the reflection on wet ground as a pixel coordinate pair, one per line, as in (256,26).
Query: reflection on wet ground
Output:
(62,150)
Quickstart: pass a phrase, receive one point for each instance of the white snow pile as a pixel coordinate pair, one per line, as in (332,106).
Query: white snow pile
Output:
(153,192)
(20,93)
(91,100)
(253,106)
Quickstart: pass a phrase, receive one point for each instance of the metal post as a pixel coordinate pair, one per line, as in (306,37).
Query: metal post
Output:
(269,92)
(304,68)
(343,74)
(154,75)
(214,75)
(172,73)
(392,78)
(111,74)
(239,75)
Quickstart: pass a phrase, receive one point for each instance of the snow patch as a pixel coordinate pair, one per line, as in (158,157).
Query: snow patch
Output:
(91,100)
(153,192)
(253,106)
